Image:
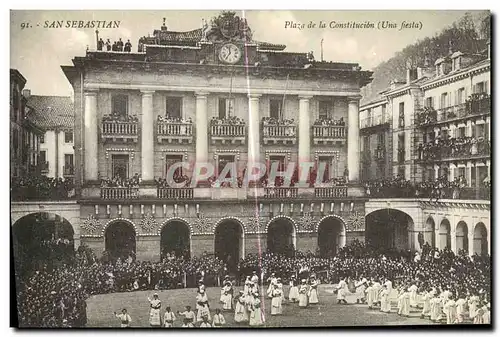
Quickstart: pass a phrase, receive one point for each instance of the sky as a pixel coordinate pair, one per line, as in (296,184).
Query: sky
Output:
(39,52)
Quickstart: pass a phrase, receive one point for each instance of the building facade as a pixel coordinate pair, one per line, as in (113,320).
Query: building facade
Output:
(56,115)
(25,133)
(214,96)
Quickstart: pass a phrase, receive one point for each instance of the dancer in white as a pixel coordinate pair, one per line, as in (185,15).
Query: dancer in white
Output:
(202,306)
(227,296)
(313,291)
(168,318)
(189,317)
(303,290)
(361,286)
(293,294)
(276,308)
(124,318)
(154,312)
(272,281)
(385,302)
(341,291)
(255,311)
(240,308)
(218,319)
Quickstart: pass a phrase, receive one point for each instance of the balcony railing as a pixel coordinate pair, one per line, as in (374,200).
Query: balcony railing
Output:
(437,152)
(279,133)
(175,193)
(330,192)
(44,167)
(328,133)
(467,193)
(373,121)
(119,193)
(113,129)
(228,132)
(69,170)
(479,104)
(174,131)
(379,154)
(280,192)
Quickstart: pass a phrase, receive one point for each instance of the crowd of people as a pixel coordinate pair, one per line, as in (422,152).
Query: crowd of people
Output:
(119,181)
(115,46)
(120,117)
(453,147)
(288,124)
(231,120)
(330,122)
(55,297)
(33,187)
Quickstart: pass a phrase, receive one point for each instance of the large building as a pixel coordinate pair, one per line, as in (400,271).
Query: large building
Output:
(214,95)
(434,128)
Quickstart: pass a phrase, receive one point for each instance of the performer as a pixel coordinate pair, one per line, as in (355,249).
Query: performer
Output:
(426,311)
(227,296)
(385,302)
(404,309)
(313,291)
(255,280)
(154,312)
(280,287)
(369,295)
(486,314)
(218,320)
(461,311)
(201,285)
(293,294)
(303,290)
(276,308)
(202,306)
(255,312)
(205,323)
(437,309)
(168,318)
(473,302)
(341,291)
(450,310)
(376,291)
(272,281)
(246,288)
(124,318)
(361,286)
(413,295)
(240,308)
(189,317)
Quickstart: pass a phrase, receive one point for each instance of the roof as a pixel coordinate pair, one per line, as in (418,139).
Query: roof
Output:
(50,112)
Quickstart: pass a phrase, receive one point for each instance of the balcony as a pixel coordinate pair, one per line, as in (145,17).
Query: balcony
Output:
(478,104)
(329,134)
(183,193)
(119,193)
(228,133)
(331,192)
(68,171)
(455,149)
(280,192)
(377,121)
(412,191)
(174,132)
(379,154)
(279,134)
(120,131)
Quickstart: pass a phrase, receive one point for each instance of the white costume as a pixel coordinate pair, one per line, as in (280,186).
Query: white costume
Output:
(124,320)
(218,320)
(293,294)
(341,290)
(202,306)
(255,313)
(190,316)
(240,309)
(154,312)
(272,281)
(303,290)
(276,308)
(168,319)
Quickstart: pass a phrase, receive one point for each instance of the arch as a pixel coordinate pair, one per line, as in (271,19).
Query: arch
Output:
(42,237)
(164,223)
(281,235)
(120,238)
(110,222)
(444,234)
(389,229)
(430,231)
(480,242)
(331,235)
(175,237)
(462,237)
(229,241)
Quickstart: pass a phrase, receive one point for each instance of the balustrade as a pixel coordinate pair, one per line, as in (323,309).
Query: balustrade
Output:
(330,192)
(119,193)
(279,131)
(119,128)
(228,130)
(175,193)
(174,129)
(280,192)
(329,131)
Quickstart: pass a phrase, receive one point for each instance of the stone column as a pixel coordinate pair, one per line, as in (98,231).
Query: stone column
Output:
(90,136)
(304,130)
(147,137)
(201,127)
(253,128)
(353,139)
(470,238)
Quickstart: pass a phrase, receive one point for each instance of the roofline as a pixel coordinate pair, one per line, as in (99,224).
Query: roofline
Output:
(17,73)
(373,102)
(450,75)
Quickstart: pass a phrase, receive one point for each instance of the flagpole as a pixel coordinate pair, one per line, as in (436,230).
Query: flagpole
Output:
(321,50)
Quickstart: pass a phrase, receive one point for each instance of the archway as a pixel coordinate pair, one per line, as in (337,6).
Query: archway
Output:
(331,236)
(120,240)
(444,234)
(430,232)
(480,239)
(229,242)
(388,229)
(175,240)
(42,238)
(281,237)
(462,239)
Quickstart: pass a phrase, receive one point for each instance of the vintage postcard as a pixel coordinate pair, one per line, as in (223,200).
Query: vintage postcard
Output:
(236,169)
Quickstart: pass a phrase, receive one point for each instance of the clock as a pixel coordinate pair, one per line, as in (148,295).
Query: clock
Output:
(229,53)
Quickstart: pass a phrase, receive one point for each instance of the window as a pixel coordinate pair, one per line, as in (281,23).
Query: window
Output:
(369,117)
(68,164)
(119,105)
(42,138)
(171,160)
(480,87)
(444,100)
(120,166)
(275,109)
(226,107)
(429,102)
(401,172)
(329,168)
(381,139)
(384,111)
(461,96)
(174,107)
(456,63)
(42,158)
(280,160)
(68,136)
(325,110)
(402,115)
(223,161)
(366,143)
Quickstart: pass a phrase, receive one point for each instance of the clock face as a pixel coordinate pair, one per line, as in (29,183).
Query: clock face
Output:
(229,53)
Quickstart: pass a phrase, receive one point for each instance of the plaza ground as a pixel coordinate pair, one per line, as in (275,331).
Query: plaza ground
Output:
(100,310)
